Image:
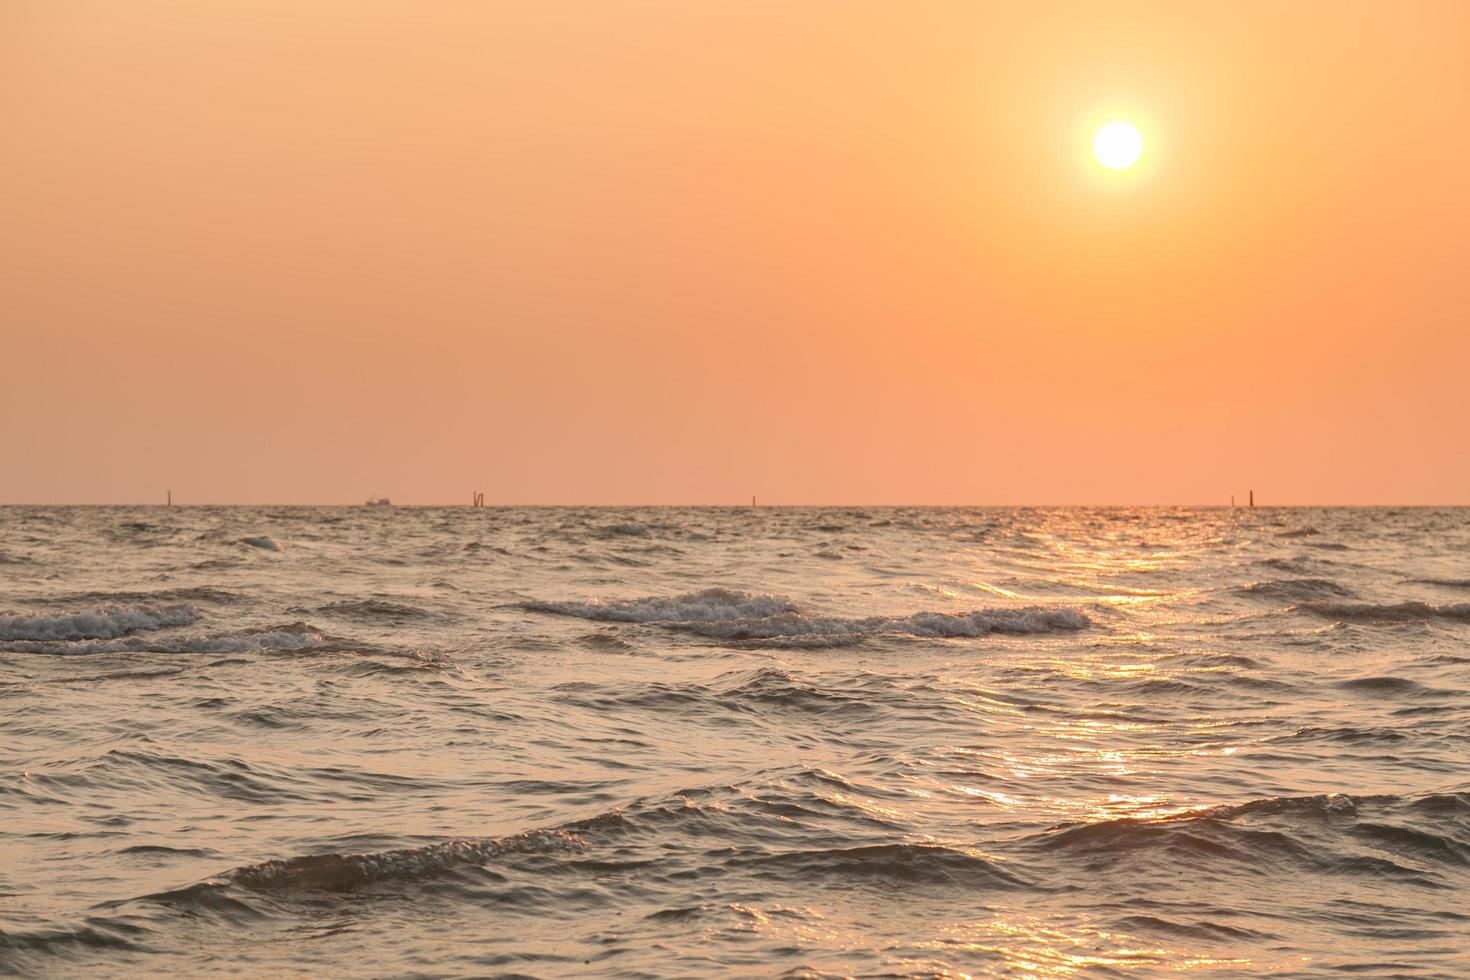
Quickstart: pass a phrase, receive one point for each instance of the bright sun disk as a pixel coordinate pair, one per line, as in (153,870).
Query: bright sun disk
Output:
(1117,145)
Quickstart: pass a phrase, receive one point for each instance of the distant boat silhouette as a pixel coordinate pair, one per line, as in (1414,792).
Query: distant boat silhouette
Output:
(378,502)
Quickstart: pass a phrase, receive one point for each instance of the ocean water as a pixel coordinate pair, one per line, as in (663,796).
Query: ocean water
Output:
(710,742)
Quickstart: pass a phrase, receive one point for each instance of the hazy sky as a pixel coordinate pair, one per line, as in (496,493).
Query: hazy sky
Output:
(673,251)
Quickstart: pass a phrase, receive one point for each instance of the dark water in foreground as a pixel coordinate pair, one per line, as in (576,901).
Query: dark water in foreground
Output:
(711,742)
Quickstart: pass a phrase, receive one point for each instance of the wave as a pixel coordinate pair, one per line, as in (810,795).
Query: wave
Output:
(731,827)
(779,688)
(1395,687)
(1208,931)
(607,640)
(1296,590)
(706,605)
(1340,834)
(97,624)
(761,689)
(1369,836)
(628,530)
(292,636)
(1448,583)
(839,631)
(725,614)
(345,872)
(375,609)
(197,593)
(262,542)
(1351,735)
(29,947)
(800,830)
(1299,565)
(1397,612)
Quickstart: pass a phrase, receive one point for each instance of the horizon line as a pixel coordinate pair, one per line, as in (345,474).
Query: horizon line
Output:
(744,506)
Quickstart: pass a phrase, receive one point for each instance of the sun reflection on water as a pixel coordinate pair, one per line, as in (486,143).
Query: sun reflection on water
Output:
(1032,946)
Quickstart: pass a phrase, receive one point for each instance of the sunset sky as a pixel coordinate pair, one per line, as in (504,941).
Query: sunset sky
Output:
(673,251)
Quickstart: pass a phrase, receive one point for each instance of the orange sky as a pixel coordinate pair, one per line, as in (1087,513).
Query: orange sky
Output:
(676,251)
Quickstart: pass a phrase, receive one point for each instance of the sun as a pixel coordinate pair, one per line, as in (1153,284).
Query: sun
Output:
(1117,145)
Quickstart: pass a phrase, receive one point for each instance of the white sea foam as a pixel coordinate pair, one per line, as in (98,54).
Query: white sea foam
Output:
(730,615)
(707,605)
(103,623)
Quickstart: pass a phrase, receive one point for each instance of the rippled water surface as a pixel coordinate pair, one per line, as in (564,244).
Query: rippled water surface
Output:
(695,742)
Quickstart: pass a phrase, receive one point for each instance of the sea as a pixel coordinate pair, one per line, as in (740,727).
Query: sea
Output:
(708,742)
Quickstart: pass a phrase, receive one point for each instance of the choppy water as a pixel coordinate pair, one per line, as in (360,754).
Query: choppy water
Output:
(700,742)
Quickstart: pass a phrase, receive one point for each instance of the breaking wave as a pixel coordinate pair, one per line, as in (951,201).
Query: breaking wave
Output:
(726,614)
(103,623)
(708,605)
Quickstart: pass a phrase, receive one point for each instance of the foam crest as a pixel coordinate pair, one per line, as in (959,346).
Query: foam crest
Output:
(725,614)
(708,605)
(982,622)
(103,623)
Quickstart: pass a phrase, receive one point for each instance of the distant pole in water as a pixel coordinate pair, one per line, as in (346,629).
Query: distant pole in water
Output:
(1253,498)
(1232,501)
(170,499)
(752,500)
(479,499)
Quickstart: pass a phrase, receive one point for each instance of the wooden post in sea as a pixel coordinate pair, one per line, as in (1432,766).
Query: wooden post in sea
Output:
(752,500)
(170,499)
(1253,498)
(1232,501)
